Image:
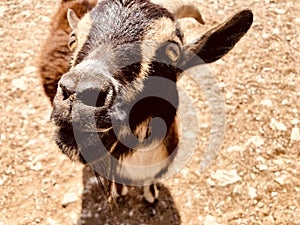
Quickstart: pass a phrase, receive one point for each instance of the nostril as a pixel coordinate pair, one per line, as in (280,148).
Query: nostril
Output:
(93,97)
(65,92)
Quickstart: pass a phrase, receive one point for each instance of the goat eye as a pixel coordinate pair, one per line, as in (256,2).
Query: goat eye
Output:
(72,41)
(173,51)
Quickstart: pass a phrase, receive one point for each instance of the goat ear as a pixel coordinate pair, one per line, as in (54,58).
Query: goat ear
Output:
(218,41)
(72,19)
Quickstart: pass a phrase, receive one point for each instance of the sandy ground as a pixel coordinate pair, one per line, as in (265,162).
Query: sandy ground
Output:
(254,180)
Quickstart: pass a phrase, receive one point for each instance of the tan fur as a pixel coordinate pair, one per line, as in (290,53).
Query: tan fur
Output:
(162,30)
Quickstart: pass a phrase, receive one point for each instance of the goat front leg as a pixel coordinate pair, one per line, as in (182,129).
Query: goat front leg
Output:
(119,190)
(150,193)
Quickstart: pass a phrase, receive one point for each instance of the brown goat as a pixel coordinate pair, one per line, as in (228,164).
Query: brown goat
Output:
(127,56)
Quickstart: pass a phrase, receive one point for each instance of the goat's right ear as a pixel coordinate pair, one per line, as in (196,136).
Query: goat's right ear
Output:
(218,41)
(72,19)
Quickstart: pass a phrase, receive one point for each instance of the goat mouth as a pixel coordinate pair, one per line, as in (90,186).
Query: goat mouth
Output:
(79,145)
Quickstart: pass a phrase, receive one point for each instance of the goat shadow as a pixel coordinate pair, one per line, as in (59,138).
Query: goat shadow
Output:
(130,209)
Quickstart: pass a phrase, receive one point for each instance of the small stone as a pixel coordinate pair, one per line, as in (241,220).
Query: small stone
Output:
(131,213)
(209,220)
(295,135)
(280,11)
(210,182)
(3,137)
(234,149)
(153,212)
(277,125)
(185,172)
(268,220)
(284,102)
(260,159)
(266,102)
(237,190)
(252,192)
(29,70)
(37,167)
(2,11)
(19,84)
(274,194)
(200,218)
(262,167)
(295,121)
(265,36)
(256,140)
(225,177)
(281,180)
(276,31)
(68,199)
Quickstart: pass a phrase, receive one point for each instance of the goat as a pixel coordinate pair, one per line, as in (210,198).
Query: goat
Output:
(127,56)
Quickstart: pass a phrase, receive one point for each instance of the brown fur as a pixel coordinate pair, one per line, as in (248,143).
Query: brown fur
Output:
(55,57)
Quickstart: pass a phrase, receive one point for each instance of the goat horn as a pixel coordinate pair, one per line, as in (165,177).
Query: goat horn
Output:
(181,9)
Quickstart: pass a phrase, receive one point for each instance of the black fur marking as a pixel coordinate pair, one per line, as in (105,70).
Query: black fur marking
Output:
(152,190)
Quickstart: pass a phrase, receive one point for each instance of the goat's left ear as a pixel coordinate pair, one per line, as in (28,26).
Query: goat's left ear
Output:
(72,19)
(219,41)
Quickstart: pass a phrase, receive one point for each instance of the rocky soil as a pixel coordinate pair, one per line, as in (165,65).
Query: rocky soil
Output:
(255,178)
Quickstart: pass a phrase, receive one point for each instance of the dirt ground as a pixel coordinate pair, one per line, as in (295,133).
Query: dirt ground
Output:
(255,178)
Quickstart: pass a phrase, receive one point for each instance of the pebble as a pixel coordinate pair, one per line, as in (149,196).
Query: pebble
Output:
(29,70)
(210,182)
(153,212)
(252,192)
(276,31)
(295,121)
(51,221)
(131,213)
(37,167)
(256,140)
(235,149)
(267,102)
(19,84)
(277,125)
(238,189)
(262,167)
(210,220)
(2,137)
(281,180)
(295,135)
(225,177)
(280,11)
(68,199)
(2,11)
(260,159)
(284,102)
